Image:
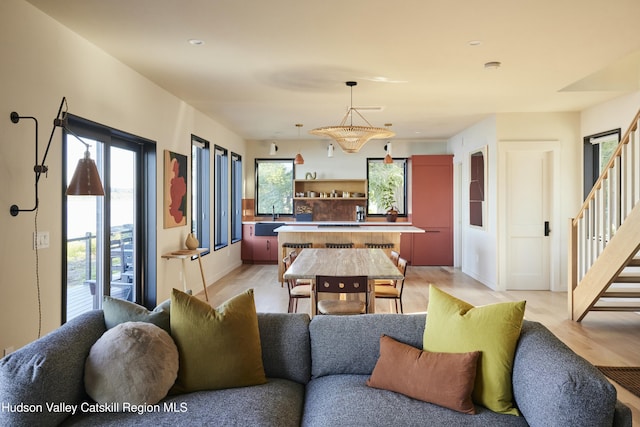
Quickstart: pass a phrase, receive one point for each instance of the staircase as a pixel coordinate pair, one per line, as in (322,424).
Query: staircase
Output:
(604,245)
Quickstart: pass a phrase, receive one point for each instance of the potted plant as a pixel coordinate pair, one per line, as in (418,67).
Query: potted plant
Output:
(388,200)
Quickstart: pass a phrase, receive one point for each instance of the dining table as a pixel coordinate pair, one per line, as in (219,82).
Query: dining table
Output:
(373,263)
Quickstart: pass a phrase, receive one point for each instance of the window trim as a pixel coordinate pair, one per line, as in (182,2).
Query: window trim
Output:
(236,198)
(405,161)
(257,183)
(221,197)
(202,191)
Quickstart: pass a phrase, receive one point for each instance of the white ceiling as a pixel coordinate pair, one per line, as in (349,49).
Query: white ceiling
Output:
(268,64)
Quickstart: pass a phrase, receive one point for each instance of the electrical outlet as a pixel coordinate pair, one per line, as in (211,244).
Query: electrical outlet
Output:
(7,351)
(41,240)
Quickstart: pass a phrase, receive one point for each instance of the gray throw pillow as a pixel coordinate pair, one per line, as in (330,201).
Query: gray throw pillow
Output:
(117,311)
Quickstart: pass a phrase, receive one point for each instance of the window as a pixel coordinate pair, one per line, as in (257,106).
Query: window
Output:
(236,197)
(110,240)
(274,186)
(221,198)
(200,190)
(387,186)
(598,149)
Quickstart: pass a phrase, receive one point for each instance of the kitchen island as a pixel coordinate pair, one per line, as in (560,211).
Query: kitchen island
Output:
(344,232)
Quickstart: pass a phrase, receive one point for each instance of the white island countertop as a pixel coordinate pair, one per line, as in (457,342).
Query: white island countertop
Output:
(348,228)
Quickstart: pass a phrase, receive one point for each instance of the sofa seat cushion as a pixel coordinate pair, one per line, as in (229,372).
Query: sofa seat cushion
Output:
(346,400)
(277,403)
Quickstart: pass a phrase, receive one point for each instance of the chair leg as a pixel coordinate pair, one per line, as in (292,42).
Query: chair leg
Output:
(401,309)
(295,305)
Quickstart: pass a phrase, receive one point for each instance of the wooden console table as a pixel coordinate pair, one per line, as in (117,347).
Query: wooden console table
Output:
(184,254)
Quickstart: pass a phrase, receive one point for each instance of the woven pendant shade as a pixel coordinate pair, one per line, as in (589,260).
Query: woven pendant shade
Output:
(349,137)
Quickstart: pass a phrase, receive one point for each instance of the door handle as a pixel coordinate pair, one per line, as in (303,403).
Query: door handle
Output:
(547,229)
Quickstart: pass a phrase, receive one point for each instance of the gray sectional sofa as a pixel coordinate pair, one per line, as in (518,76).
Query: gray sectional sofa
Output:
(317,374)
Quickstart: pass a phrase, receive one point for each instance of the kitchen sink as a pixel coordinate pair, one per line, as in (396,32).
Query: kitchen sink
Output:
(266,228)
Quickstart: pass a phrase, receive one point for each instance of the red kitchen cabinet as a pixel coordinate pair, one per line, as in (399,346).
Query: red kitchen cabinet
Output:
(258,249)
(432,209)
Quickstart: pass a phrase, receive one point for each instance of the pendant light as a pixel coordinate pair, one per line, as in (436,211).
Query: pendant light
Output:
(350,137)
(299,160)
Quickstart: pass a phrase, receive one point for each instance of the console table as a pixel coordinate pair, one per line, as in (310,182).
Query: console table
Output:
(184,254)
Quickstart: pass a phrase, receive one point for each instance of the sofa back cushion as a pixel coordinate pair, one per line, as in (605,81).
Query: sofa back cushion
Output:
(47,371)
(285,346)
(351,344)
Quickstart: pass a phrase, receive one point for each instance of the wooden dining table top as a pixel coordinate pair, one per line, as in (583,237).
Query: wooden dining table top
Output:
(373,263)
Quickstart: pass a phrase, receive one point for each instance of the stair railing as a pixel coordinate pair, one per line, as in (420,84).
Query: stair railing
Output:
(611,199)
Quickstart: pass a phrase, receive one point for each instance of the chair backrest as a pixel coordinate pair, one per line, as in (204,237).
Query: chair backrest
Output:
(402,266)
(287,263)
(394,257)
(341,284)
(339,245)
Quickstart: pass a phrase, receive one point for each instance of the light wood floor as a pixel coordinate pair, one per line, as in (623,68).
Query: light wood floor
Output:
(610,339)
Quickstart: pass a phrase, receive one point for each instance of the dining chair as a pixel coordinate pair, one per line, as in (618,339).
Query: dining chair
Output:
(351,285)
(298,289)
(393,292)
(394,256)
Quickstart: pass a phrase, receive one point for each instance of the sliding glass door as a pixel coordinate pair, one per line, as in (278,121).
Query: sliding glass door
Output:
(105,249)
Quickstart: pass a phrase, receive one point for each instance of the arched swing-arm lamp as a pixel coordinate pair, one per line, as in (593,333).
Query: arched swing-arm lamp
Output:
(85,181)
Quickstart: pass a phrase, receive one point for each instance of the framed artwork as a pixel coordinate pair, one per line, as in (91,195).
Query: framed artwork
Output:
(477,187)
(175,189)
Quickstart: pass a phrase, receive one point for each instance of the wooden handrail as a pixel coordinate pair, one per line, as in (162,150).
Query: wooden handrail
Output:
(617,153)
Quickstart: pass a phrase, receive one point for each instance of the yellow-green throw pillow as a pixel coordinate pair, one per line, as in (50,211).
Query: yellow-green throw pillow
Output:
(218,348)
(455,326)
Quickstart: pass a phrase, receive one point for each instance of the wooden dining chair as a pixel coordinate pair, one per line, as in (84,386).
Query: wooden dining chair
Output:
(394,256)
(298,289)
(393,292)
(351,285)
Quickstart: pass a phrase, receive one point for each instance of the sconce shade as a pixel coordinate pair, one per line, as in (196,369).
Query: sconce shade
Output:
(85,180)
(330,150)
(273,149)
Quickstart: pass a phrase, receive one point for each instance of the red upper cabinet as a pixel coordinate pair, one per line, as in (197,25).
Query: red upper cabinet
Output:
(432,209)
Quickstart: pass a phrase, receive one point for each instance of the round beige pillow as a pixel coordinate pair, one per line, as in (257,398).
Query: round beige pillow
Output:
(134,362)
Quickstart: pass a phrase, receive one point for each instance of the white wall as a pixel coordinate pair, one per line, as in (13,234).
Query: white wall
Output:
(476,246)
(42,62)
(341,166)
(613,114)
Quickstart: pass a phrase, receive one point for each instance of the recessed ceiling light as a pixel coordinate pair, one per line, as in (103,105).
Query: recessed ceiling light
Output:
(196,42)
(492,65)
(475,43)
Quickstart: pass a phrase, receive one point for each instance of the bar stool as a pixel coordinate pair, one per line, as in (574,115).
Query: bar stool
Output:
(379,245)
(338,245)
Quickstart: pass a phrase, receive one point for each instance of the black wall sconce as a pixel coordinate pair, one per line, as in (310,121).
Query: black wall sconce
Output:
(85,181)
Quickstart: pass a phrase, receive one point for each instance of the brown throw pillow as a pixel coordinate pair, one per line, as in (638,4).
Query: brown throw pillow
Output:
(445,379)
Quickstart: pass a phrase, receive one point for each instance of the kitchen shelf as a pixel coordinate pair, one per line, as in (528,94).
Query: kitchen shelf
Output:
(328,185)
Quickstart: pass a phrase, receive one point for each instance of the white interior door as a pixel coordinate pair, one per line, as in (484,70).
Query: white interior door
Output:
(528,199)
